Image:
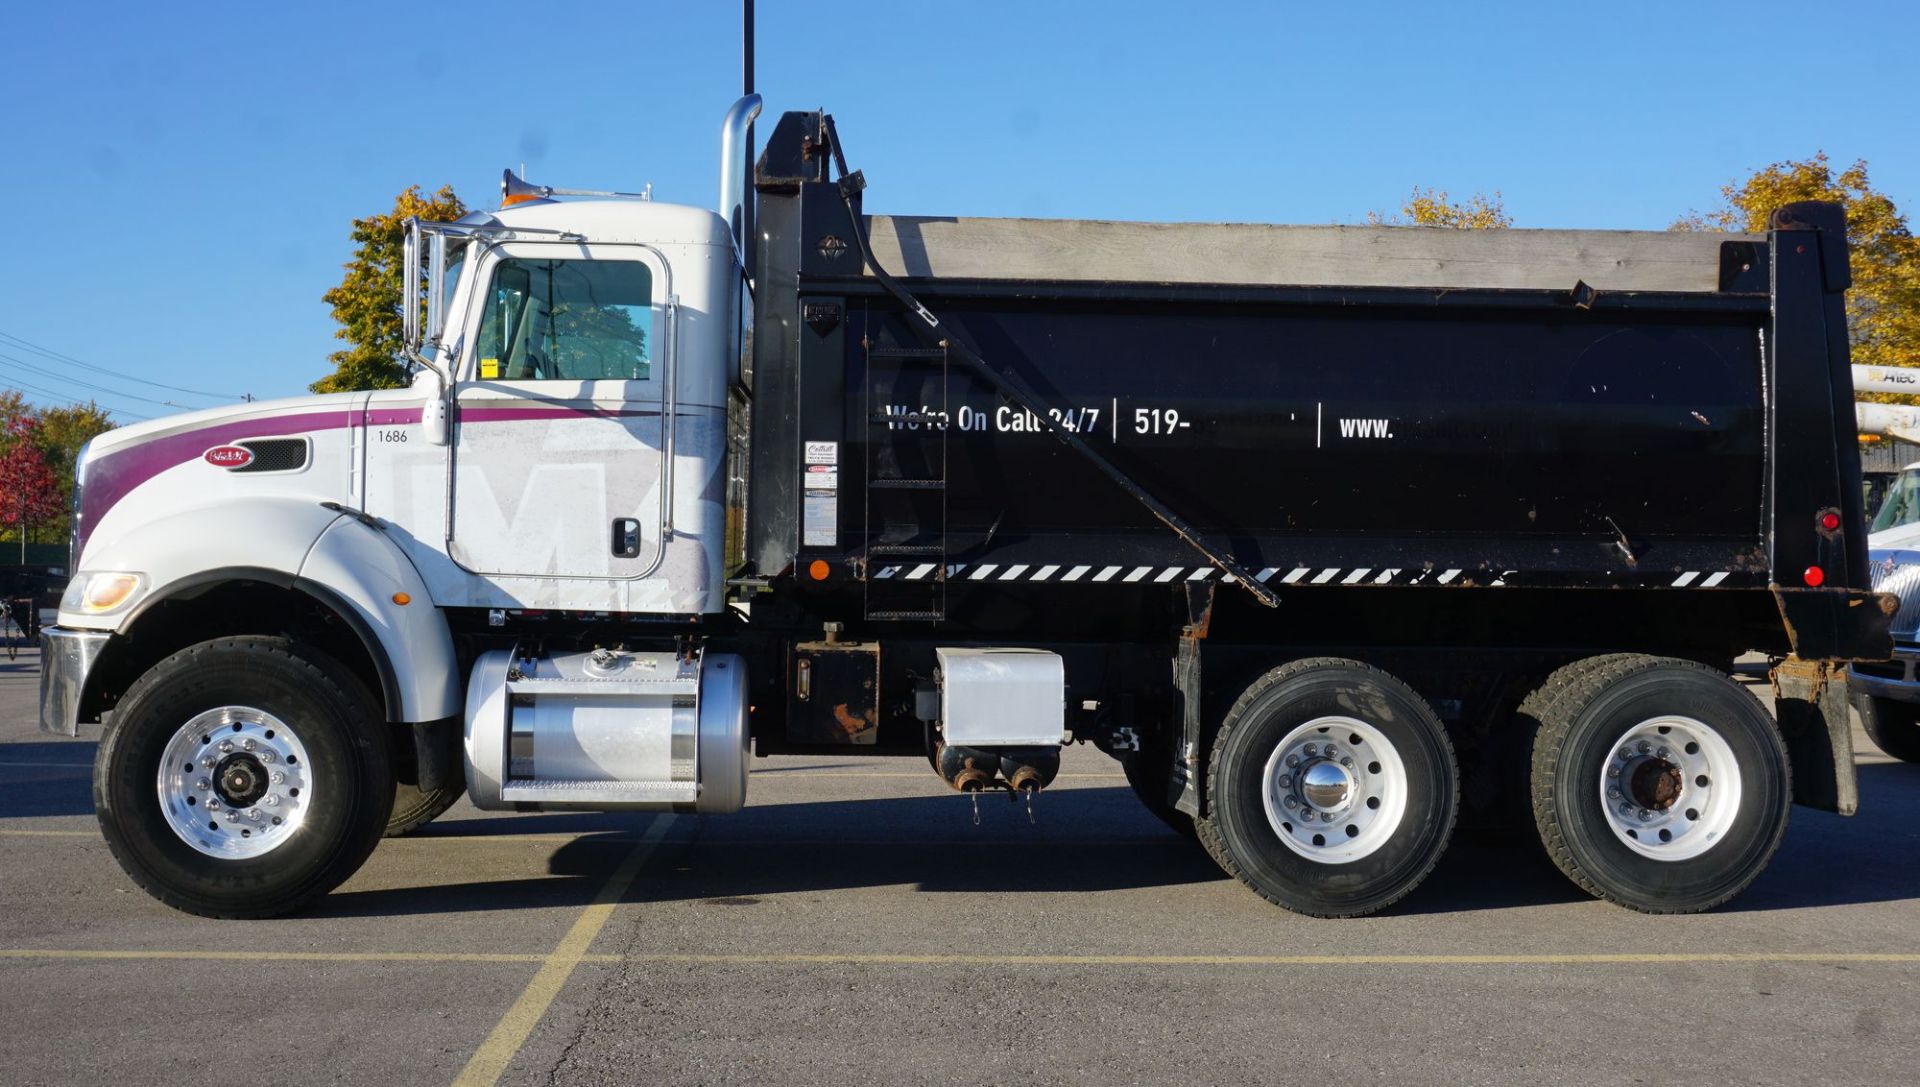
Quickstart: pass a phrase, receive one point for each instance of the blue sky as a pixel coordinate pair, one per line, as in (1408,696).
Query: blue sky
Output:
(181,177)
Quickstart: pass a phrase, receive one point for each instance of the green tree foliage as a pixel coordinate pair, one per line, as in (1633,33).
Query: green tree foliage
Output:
(1883,306)
(1433,207)
(367,301)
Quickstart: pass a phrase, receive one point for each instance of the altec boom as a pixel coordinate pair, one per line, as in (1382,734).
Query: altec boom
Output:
(1315,529)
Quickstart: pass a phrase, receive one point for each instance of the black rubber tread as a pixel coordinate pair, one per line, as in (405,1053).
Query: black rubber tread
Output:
(1558,709)
(414,808)
(1208,827)
(1518,775)
(1894,727)
(147,848)
(1150,785)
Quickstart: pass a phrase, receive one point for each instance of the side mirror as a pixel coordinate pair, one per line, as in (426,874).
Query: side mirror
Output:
(409,280)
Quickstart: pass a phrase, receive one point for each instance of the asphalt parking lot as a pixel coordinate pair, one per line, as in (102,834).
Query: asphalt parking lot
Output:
(854,925)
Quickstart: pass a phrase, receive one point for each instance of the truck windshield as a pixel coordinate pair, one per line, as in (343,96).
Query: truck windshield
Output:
(578,320)
(1902,504)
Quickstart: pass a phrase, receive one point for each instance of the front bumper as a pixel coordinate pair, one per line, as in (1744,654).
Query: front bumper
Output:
(1897,680)
(66,656)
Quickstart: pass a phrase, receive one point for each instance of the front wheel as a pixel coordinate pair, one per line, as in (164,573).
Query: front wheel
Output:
(1332,790)
(242,778)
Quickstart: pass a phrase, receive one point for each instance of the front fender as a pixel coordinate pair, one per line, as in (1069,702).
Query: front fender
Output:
(346,564)
(367,573)
(181,549)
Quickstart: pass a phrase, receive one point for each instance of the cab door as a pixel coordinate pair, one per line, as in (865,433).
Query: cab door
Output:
(560,423)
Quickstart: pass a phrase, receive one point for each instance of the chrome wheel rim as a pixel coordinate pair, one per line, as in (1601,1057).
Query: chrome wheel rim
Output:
(1670,787)
(1335,790)
(235,782)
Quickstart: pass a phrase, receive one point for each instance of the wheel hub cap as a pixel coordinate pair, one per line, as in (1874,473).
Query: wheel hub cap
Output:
(1335,789)
(1326,785)
(234,782)
(1670,788)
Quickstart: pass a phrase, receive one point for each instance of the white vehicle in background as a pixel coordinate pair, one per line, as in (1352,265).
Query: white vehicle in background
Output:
(1887,695)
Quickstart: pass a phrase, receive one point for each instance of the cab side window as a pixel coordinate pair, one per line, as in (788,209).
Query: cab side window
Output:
(567,320)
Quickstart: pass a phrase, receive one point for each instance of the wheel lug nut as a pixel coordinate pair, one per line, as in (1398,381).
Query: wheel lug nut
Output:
(266,756)
(1347,762)
(1626,752)
(1308,749)
(1645,813)
(1286,781)
(248,743)
(1291,802)
(203,785)
(278,777)
(1331,752)
(1645,747)
(253,814)
(1293,760)
(1613,792)
(233,817)
(272,801)
(1626,809)
(206,763)
(1613,771)
(1662,752)
(226,746)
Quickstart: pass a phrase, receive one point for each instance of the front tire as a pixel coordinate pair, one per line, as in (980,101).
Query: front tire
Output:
(1332,790)
(1659,784)
(242,778)
(1894,727)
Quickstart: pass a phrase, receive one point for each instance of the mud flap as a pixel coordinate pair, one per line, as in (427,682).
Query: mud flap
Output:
(1810,699)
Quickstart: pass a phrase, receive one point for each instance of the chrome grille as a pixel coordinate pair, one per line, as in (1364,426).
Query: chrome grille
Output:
(1902,579)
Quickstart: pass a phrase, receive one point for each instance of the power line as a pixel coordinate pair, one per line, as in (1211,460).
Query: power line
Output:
(58,357)
(25,365)
(26,389)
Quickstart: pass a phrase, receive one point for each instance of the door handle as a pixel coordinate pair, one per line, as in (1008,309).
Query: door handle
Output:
(626,537)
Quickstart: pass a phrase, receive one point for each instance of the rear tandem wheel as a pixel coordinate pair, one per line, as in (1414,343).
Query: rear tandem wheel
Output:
(1332,790)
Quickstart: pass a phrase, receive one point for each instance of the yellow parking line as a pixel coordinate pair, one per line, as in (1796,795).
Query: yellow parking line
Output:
(266,956)
(1601,959)
(525,1012)
(498,1051)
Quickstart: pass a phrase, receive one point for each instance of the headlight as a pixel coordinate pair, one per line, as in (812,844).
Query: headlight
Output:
(100,594)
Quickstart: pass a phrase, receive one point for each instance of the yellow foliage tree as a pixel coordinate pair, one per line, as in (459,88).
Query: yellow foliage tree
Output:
(1883,306)
(1432,207)
(367,302)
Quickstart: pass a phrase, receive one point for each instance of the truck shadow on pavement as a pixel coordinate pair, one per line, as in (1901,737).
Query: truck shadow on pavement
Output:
(1086,839)
(46,778)
(1094,840)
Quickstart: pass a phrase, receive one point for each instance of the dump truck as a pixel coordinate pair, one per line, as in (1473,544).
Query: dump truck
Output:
(1327,534)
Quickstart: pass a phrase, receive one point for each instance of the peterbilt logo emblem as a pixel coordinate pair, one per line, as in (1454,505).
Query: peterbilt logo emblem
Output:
(229,456)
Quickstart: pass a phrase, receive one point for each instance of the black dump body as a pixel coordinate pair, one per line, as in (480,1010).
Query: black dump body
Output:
(1523,438)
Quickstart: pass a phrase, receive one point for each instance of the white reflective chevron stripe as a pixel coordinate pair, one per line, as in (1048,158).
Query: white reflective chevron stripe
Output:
(1076,573)
(1201,574)
(1169,573)
(1106,573)
(1386,576)
(1715,579)
(1685,579)
(1449,576)
(1325,576)
(920,571)
(1266,573)
(1138,573)
(1296,574)
(887,571)
(1013,573)
(1355,576)
(1044,573)
(980,572)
